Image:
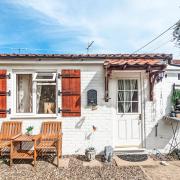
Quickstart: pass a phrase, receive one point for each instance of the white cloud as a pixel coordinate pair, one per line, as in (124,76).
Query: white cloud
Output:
(115,26)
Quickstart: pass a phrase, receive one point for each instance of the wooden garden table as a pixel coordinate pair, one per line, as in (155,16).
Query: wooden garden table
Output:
(19,152)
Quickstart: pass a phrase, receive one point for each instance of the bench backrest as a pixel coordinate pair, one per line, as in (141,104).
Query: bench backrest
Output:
(50,130)
(10,129)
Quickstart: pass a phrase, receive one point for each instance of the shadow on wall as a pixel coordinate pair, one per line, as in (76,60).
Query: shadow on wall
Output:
(93,121)
(80,123)
(160,136)
(168,103)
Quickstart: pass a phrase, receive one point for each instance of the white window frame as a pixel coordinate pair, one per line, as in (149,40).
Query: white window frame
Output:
(139,99)
(34,96)
(44,80)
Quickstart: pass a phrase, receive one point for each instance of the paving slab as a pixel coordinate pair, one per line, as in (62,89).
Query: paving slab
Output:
(170,172)
(93,163)
(175,163)
(149,162)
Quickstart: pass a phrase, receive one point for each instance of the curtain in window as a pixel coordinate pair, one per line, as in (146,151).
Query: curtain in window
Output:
(134,95)
(24,93)
(127,93)
(127,96)
(39,88)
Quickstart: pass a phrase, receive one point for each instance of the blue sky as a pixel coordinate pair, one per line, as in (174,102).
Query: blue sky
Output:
(66,26)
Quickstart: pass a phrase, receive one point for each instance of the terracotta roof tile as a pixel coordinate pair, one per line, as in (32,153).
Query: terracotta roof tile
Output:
(119,62)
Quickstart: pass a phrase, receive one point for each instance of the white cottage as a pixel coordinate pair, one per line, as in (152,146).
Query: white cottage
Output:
(101,99)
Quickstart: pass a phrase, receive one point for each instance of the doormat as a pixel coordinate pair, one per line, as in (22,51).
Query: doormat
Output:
(134,157)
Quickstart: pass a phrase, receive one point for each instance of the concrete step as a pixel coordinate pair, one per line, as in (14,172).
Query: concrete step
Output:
(133,150)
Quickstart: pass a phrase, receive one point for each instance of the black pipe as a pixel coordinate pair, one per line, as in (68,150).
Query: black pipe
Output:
(170,63)
(156,130)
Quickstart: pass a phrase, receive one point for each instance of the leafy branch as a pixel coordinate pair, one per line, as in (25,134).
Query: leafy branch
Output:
(175,96)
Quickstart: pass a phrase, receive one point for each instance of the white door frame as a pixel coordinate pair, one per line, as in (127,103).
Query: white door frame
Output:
(140,75)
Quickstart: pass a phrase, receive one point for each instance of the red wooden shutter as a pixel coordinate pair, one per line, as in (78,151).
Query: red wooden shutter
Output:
(71,93)
(3,82)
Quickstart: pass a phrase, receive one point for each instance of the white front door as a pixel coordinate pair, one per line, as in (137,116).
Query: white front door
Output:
(128,113)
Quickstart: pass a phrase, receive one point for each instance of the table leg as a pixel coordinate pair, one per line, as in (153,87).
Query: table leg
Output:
(174,142)
(58,152)
(20,145)
(35,153)
(11,154)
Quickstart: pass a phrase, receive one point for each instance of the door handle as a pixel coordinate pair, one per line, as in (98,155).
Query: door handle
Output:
(140,116)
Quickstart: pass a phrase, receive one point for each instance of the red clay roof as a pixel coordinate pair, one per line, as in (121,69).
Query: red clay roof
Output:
(97,56)
(119,62)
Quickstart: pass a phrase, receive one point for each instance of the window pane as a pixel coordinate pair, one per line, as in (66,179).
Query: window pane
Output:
(46,99)
(120,107)
(120,96)
(120,85)
(134,85)
(127,107)
(127,95)
(24,93)
(44,76)
(134,96)
(127,85)
(134,106)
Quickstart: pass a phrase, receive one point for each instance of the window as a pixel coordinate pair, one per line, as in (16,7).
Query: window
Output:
(44,76)
(178,76)
(46,98)
(128,96)
(36,93)
(24,93)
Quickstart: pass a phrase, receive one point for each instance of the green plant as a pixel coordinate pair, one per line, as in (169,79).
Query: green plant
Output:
(175,96)
(29,129)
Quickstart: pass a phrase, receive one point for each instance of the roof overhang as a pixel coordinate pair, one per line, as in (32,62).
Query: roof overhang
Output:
(135,64)
(153,66)
(85,56)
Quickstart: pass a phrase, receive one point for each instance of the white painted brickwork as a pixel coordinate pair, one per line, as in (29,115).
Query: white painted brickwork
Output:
(77,131)
(156,110)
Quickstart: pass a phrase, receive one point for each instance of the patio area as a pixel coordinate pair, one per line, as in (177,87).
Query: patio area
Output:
(76,169)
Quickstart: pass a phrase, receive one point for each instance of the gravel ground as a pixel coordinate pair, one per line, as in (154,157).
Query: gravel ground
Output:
(45,170)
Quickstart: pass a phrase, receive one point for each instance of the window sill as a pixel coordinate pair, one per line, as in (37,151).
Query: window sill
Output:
(34,116)
(129,113)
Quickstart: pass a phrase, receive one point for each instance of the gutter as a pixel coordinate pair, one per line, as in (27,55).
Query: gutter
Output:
(171,64)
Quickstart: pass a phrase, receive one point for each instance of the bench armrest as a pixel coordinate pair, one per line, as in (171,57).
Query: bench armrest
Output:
(17,135)
(37,137)
(59,137)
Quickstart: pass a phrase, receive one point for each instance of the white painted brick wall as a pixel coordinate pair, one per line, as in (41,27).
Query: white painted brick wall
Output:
(77,138)
(162,106)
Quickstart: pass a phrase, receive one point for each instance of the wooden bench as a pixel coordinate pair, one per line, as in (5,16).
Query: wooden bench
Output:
(50,139)
(9,130)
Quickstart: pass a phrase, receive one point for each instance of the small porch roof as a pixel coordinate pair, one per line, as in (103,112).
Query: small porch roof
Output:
(154,66)
(146,64)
